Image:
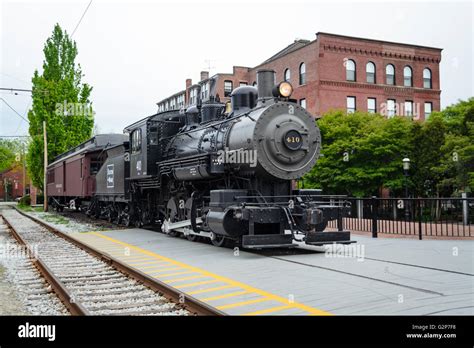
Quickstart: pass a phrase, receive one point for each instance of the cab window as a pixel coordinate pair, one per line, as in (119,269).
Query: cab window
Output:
(136,140)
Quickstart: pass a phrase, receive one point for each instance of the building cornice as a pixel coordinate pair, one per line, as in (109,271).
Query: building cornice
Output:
(395,90)
(379,53)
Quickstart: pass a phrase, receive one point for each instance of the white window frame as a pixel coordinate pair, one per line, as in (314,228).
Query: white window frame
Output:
(349,109)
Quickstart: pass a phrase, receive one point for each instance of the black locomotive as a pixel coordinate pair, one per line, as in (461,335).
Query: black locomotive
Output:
(222,174)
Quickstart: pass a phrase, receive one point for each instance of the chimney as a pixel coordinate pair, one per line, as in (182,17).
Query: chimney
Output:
(189,82)
(204,75)
(265,84)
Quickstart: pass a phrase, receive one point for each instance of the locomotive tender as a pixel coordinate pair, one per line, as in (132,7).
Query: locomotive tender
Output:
(223,175)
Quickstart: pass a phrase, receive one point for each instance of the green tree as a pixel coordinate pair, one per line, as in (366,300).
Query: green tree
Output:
(11,151)
(456,166)
(361,153)
(7,156)
(427,141)
(60,99)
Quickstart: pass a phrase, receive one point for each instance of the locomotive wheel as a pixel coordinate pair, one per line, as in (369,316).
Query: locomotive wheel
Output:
(218,240)
(126,220)
(192,237)
(321,226)
(172,214)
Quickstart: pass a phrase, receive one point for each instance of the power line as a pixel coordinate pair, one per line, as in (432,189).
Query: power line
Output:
(80,20)
(16,112)
(15,89)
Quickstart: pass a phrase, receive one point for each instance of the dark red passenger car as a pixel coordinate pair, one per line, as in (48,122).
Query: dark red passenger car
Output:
(71,175)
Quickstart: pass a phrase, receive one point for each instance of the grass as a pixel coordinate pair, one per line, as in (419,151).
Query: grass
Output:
(28,208)
(55,219)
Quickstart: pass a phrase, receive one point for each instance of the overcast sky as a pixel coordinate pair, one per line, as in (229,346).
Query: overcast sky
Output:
(135,53)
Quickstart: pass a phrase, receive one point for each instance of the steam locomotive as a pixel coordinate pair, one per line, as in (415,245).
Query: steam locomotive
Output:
(225,174)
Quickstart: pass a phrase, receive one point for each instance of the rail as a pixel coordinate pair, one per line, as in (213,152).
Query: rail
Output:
(190,303)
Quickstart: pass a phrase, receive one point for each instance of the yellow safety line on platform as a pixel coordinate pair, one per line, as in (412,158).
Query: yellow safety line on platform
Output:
(176,273)
(184,278)
(133,258)
(269,310)
(210,289)
(197,283)
(243,303)
(166,270)
(232,294)
(150,262)
(157,266)
(218,278)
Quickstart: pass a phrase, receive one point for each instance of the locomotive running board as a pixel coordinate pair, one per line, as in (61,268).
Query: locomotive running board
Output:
(321,238)
(268,241)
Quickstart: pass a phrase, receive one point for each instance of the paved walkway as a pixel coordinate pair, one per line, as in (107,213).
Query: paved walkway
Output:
(374,276)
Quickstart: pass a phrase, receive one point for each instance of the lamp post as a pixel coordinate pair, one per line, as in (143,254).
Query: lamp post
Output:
(406,168)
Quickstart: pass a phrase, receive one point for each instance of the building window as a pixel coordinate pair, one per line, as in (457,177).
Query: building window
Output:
(370,72)
(287,75)
(350,70)
(427,78)
(243,84)
(409,108)
(302,73)
(192,96)
(254,84)
(205,91)
(351,105)
(407,77)
(371,105)
(228,87)
(390,74)
(391,107)
(180,101)
(428,109)
(136,140)
(303,103)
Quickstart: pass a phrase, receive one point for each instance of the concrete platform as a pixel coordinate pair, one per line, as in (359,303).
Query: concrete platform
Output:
(376,277)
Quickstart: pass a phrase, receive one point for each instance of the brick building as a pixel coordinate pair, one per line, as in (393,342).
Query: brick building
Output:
(11,184)
(338,72)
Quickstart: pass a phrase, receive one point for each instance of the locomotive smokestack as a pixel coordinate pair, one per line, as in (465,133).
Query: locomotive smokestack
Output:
(265,84)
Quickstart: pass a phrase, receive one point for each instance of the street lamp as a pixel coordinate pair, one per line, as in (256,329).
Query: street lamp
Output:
(406,168)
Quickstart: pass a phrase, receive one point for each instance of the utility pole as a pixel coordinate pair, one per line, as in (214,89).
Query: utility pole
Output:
(23,155)
(45,188)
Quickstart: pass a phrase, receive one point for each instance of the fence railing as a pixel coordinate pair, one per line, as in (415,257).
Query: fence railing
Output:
(441,217)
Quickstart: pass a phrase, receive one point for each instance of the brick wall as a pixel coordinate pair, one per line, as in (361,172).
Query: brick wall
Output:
(326,87)
(14,177)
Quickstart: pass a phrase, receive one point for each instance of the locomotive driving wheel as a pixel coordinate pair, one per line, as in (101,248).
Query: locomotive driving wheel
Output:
(125,218)
(172,215)
(217,239)
(188,208)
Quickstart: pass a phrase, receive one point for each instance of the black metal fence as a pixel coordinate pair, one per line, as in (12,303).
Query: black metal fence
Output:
(440,217)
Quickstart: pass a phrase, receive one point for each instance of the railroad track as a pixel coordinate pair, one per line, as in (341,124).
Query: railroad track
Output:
(89,282)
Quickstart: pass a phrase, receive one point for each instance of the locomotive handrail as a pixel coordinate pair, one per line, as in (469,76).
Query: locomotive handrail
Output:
(228,119)
(338,203)
(296,195)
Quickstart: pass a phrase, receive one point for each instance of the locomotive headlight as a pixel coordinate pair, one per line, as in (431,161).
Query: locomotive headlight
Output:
(283,89)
